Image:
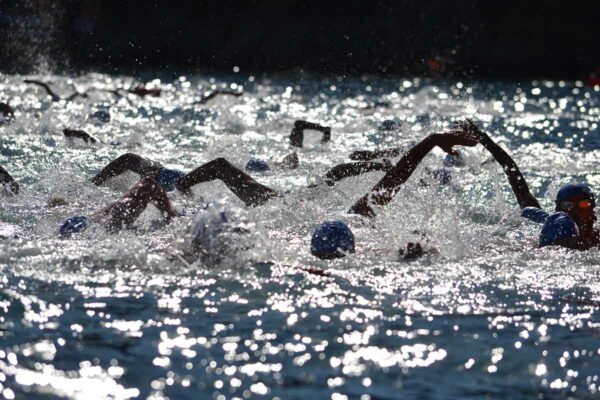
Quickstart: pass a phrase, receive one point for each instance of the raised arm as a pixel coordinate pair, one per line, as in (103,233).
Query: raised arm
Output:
(211,95)
(6,179)
(383,192)
(127,162)
(75,133)
(515,177)
(54,96)
(365,155)
(297,135)
(347,170)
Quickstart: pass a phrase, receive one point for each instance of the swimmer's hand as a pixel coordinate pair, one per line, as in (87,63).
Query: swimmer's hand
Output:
(447,140)
(469,127)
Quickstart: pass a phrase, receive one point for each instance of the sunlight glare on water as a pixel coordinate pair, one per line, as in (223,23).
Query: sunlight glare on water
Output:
(103,315)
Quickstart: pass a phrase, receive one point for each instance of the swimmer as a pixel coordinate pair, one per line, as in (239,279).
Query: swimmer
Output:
(7,181)
(139,90)
(51,93)
(383,192)
(125,211)
(297,135)
(253,193)
(166,177)
(572,223)
(346,170)
(218,92)
(142,166)
(6,111)
(83,135)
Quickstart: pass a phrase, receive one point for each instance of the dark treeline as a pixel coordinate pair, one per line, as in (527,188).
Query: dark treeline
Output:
(510,39)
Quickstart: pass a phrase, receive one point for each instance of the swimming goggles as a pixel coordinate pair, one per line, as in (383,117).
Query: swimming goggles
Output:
(582,204)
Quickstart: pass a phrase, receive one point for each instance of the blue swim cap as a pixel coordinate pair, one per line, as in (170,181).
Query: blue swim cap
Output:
(331,239)
(558,227)
(167,177)
(389,125)
(454,160)
(442,176)
(571,190)
(75,224)
(101,115)
(254,165)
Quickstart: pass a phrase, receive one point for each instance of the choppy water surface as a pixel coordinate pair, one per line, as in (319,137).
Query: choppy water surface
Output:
(118,316)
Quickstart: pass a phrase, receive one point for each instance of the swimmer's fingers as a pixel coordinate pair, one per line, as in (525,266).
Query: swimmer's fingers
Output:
(447,140)
(469,127)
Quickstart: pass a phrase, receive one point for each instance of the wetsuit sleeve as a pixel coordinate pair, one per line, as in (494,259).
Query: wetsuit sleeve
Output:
(534,214)
(560,230)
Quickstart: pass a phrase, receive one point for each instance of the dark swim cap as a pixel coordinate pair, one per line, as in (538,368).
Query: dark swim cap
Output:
(558,227)
(389,125)
(442,176)
(167,177)
(332,239)
(75,224)
(254,165)
(571,190)
(101,116)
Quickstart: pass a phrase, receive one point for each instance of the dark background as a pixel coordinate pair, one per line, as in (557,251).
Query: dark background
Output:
(501,39)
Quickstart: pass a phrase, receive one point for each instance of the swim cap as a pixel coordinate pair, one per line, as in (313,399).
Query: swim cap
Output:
(215,236)
(571,190)
(389,125)
(558,227)
(331,239)
(454,160)
(167,177)
(101,115)
(254,165)
(442,176)
(75,224)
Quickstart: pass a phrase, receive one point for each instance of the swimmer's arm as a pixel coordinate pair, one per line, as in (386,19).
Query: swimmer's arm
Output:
(126,162)
(297,135)
(143,91)
(74,133)
(383,192)
(54,96)
(211,95)
(5,178)
(346,170)
(515,177)
(165,206)
(365,155)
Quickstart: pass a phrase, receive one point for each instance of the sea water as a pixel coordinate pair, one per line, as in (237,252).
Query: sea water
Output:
(484,315)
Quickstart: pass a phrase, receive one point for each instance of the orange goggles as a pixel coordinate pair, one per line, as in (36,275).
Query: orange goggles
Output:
(583,204)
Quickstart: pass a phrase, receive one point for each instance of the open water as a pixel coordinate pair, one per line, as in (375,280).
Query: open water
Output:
(487,315)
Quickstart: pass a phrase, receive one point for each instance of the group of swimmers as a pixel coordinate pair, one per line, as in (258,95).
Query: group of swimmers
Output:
(571,225)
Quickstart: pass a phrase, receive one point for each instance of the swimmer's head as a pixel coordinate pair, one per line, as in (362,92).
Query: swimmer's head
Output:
(167,177)
(389,125)
(577,200)
(254,165)
(57,201)
(75,224)
(101,116)
(332,239)
(215,236)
